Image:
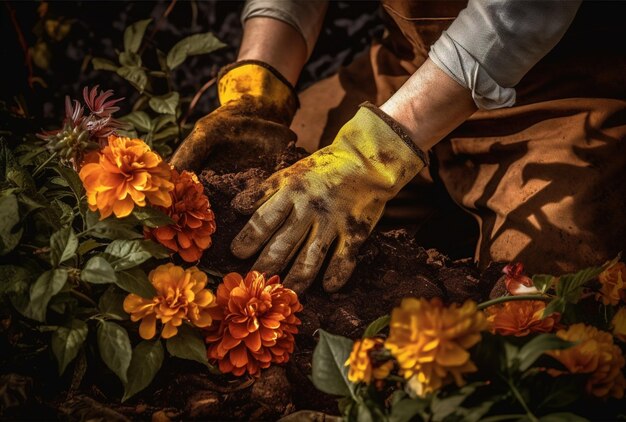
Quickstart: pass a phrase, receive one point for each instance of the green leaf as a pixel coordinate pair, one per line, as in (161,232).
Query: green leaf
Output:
(111,303)
(98,271)
(87,246)
(165,104)
(73,181)
(162,121)
(187,344)
(152,217)
(562,417)
(136,281)
(115,349)
(103,64)
(12,275)
(67,341)
(146,362)
(570,286)
(130,59)
(444,407)
(114,229)
(555,305)
(139,119)
(532,350)
(47,285)
(405,410)
(135,75)
(134,34)
(9,218)
(169,132)
(63,245)
(542,282)
(330,374)
(377,326)
(125,254)
(191,46)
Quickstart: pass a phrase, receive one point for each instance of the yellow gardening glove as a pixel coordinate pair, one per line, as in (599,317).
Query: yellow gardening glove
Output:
(336,194)
(257,106)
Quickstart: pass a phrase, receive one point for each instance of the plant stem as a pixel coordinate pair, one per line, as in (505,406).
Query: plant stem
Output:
(83,297)
(521,401)
(41,166)
(195,100)
(503,299)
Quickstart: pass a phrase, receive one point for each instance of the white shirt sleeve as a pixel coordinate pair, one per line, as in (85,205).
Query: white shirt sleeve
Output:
(492,44)
(306,16)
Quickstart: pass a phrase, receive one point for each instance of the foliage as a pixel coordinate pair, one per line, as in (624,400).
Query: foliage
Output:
(156,116)
(519,376)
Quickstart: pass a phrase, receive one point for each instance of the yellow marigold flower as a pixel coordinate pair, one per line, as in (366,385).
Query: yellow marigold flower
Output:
(257,322)
(126,174)
(181,296)
(520,318)
(194,222)
(430,341)
(362,366)
(619,324)
(612,284)
(596,355)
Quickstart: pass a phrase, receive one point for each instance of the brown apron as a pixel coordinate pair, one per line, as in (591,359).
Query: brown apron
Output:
(546,179)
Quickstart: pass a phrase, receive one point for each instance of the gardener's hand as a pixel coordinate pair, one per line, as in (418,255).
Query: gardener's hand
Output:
(257,106)
(336,194)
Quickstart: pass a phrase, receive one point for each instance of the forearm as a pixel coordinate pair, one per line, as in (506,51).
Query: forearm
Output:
(276,43)
(430,105)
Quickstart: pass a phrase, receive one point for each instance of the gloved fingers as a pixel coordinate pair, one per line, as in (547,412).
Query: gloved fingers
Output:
(310,259)
(266,136)
(195,148)
(342,264)
(261,226)
(250,199)
(285,243)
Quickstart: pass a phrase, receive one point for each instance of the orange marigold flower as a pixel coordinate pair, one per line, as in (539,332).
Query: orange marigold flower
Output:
(363,368)
(430,341)
(619,324)
(596,355)
(194,222)
(612,284)
(181,296)
(126,174)
(257,323)
(521,318)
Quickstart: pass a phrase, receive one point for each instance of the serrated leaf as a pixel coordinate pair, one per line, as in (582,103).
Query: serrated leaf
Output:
(9,218)
(152,217)
(103,64)
(135,75)
(165,104)
(115,349)
(377,326)
(67,341)
(146,362)
(73,181)
(125,254)
(536,347)
(187,344)
(136,281)
(329,373)
(111,303)
(134,34)
(191,46)
(47,285)
(98,271)
(63,245)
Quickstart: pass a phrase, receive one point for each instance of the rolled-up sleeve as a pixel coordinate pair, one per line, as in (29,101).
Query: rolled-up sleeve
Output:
(492,44)
(306,16)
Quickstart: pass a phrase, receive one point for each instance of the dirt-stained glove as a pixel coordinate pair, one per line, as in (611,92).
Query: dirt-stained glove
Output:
(257,106)
(336,194)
